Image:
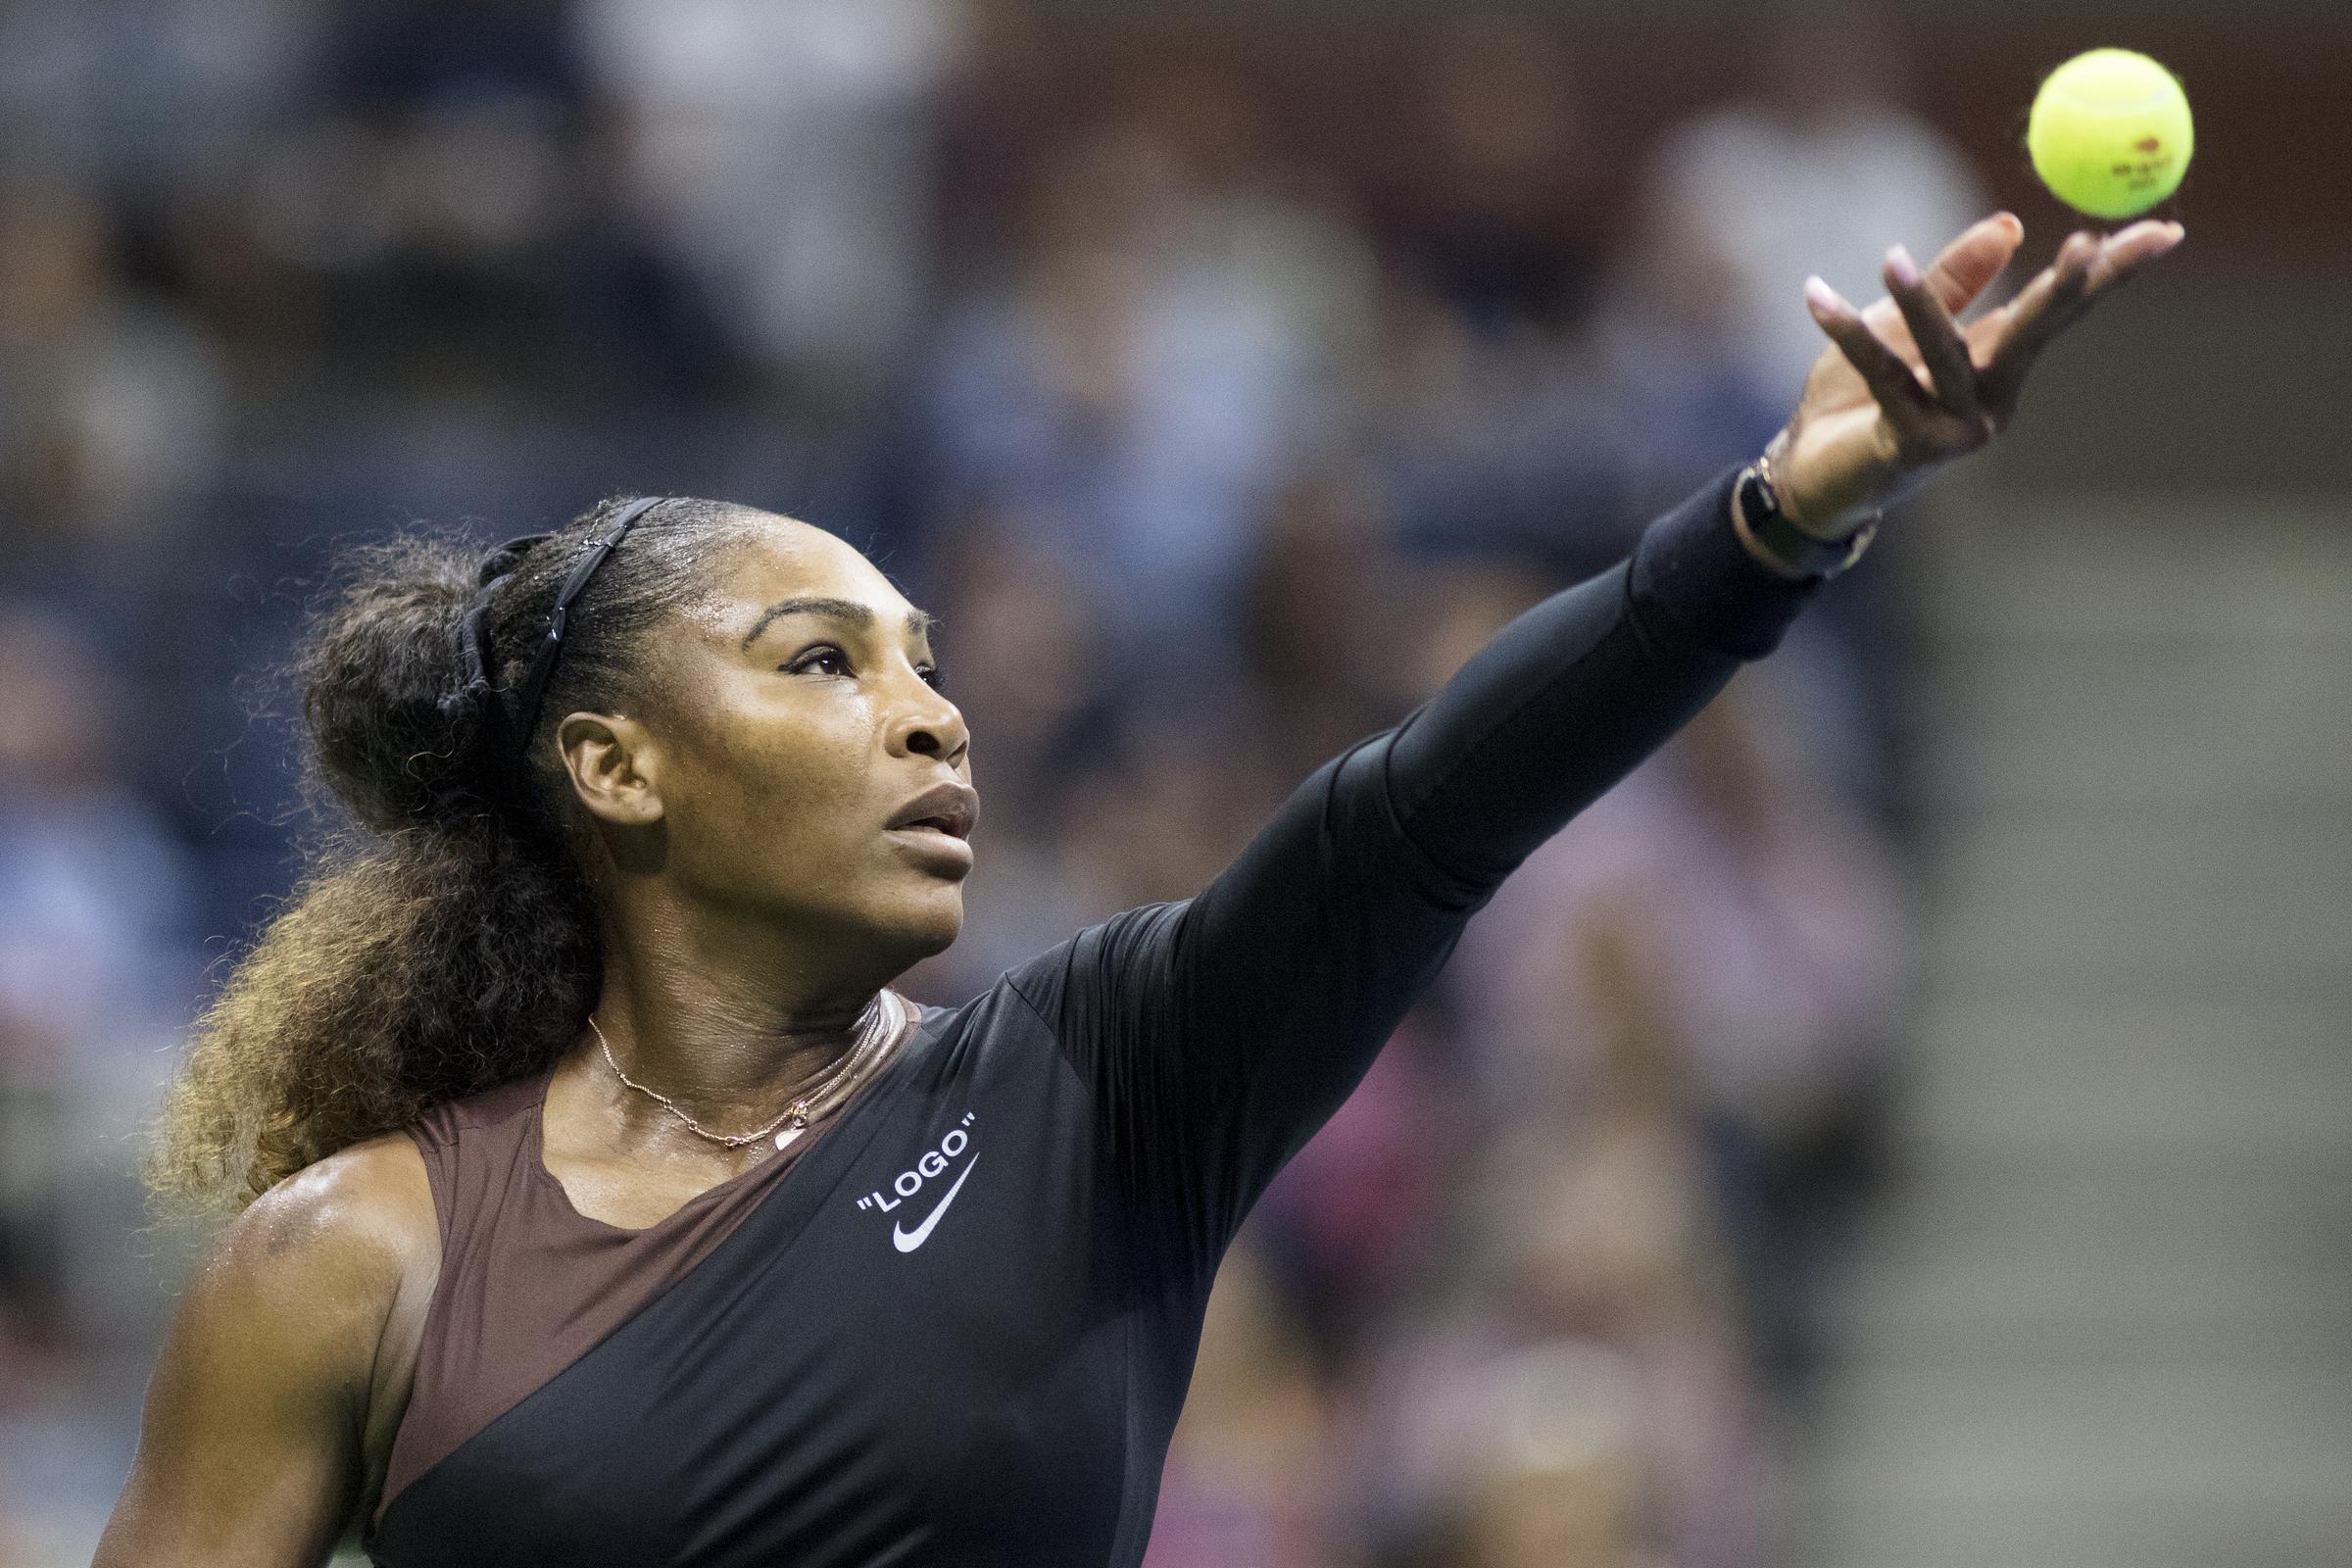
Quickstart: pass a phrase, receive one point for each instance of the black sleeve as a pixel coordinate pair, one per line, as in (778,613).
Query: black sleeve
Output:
(1220,1032)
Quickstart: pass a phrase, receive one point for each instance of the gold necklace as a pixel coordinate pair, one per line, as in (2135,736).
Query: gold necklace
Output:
(878,1024)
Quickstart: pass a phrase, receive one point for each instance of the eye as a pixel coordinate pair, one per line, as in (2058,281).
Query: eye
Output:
(826,660)
(937,676)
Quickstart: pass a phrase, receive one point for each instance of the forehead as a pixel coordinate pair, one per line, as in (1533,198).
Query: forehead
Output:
(783,558)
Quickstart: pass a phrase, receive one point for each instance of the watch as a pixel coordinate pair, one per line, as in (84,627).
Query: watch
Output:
(1756,516)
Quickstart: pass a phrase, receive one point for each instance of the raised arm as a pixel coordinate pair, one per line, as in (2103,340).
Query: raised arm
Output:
(1222,1031)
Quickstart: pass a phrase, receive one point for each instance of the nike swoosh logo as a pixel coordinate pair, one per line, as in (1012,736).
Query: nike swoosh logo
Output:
(907,1241)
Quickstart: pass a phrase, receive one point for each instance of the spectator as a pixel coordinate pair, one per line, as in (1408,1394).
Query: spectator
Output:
(1500,173)
(93,953)
(1247,1483)
(1818,172)
(1165,344)
(112,400)
(1770,928)
(781,152)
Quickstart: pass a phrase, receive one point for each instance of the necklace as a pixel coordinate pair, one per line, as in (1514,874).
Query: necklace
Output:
(878,1025)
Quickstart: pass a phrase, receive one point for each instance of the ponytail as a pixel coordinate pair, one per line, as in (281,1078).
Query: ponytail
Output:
(441,940)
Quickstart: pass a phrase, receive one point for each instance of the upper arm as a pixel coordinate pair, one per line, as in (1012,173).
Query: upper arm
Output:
(251,1449)
(1218,1033)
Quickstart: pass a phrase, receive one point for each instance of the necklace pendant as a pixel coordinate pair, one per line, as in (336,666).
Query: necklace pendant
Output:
(800,1119)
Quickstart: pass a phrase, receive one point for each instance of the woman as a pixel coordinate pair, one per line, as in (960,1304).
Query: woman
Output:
(601,1204)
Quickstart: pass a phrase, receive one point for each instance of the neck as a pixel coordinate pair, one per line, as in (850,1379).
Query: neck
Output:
(731,1023)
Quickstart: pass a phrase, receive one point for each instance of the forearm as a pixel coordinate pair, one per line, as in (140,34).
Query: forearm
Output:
(1573,694)
(1223,1030)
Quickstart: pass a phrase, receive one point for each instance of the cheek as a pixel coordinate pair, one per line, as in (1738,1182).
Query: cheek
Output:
(791,788)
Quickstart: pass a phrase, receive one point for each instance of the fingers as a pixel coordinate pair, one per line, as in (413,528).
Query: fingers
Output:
(1963,269)
(1938,341)
(2126,251)
(1891,378)
(1971,376)
(2042,311)
(2085,269)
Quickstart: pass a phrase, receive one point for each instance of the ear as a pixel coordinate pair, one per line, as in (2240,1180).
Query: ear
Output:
(615,768)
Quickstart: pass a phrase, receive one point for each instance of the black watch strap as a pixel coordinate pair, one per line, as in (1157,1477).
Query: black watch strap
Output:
(1757,512)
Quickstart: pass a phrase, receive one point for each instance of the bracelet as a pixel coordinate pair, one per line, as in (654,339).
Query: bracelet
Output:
(1789,550)
(1772,488)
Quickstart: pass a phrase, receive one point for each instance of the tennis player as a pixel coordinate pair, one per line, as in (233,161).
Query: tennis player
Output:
(601,1205)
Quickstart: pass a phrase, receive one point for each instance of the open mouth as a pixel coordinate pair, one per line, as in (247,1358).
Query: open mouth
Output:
(948,809)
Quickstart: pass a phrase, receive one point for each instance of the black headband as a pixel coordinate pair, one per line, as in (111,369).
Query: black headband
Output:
(535,684)
(474,636)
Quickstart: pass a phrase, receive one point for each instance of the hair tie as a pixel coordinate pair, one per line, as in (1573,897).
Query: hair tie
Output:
(503,562)
(473,705)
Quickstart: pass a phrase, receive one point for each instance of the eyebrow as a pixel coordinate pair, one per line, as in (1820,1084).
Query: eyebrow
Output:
(918,622)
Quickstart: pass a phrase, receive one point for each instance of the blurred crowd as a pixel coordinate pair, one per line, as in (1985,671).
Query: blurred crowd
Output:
(1220,394)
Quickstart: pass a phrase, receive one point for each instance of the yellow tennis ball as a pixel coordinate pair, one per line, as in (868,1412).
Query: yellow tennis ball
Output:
(2110,133)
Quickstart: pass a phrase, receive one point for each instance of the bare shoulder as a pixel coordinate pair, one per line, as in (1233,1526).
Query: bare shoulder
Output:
(372,1194)
(325,1263)
(255,1444)
(362,1215)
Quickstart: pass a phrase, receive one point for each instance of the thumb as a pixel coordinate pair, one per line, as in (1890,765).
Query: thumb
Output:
(1963,269)
(1957,275)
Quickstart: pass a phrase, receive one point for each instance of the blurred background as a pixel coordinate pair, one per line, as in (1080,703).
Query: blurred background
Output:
(1908,1122)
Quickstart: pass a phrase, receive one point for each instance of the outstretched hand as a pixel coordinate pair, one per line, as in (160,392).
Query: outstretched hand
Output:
(1903,387)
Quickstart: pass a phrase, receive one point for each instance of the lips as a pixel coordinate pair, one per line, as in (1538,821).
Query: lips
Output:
(951,808)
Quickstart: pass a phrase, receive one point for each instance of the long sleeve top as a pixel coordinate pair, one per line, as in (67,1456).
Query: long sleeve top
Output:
(958,1326)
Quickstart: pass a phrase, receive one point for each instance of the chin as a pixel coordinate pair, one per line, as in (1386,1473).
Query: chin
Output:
(928,926)
(941,937)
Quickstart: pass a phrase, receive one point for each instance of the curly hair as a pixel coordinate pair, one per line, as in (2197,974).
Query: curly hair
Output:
(441,939)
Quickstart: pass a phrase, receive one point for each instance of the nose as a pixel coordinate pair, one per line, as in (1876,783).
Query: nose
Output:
(927,724)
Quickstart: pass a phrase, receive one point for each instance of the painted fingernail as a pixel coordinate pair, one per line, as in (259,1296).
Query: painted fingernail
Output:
(1821,296)
(1906,271)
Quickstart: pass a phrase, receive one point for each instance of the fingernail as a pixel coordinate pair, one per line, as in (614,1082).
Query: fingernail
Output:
(1820,295)
(1906,271)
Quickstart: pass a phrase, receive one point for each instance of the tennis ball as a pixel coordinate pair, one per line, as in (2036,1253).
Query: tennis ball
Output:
(2110,133)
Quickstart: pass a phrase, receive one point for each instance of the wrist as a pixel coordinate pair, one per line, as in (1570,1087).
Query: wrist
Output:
(1749,541)
(1835,526)
(1769,538)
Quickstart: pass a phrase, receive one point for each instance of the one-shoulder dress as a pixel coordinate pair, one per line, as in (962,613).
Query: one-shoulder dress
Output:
(953,1327)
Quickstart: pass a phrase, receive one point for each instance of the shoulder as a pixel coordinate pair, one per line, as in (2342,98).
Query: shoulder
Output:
(1095,955)
(296,1298)
(356,1225)
(253,1442)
